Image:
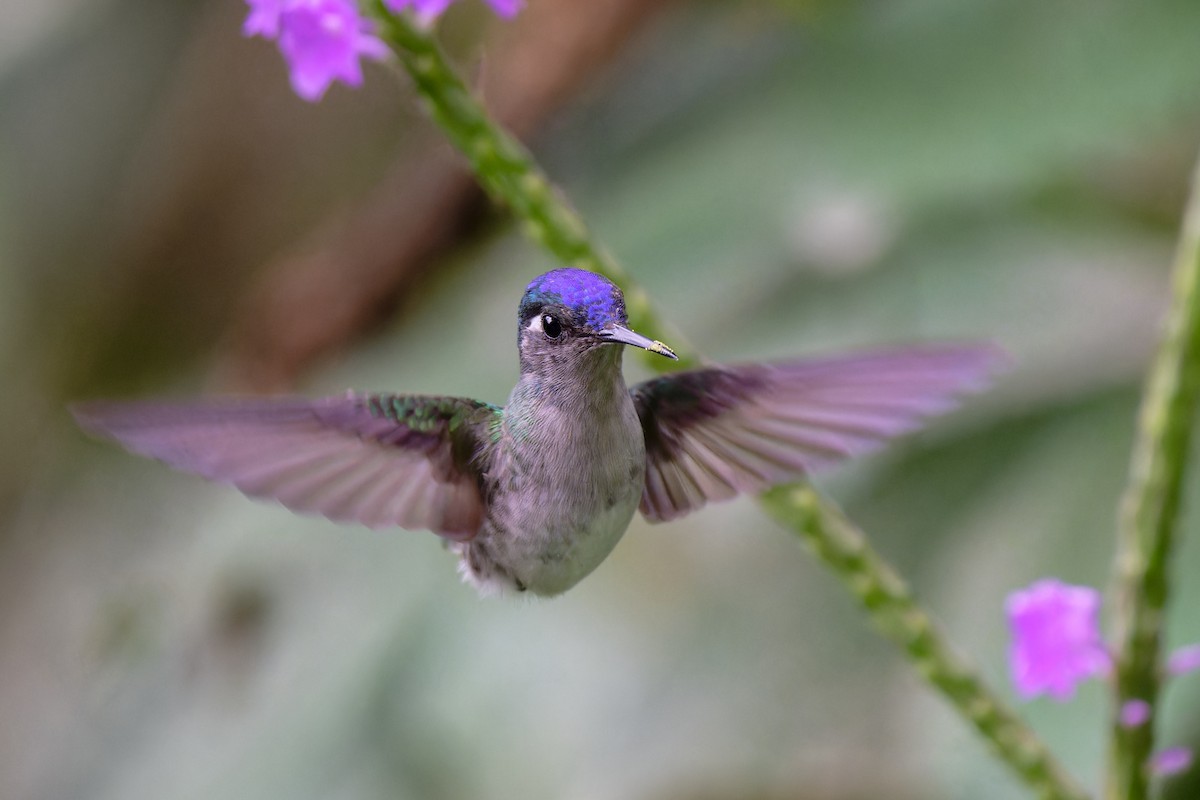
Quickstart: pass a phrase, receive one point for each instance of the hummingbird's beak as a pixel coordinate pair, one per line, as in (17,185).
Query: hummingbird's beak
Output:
(622,335)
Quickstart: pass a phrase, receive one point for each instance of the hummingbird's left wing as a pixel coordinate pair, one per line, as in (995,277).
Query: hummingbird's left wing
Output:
(714,433)
(380,460)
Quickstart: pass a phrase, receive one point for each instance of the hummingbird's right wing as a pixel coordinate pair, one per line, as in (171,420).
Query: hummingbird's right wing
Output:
(714,433)
(380,460)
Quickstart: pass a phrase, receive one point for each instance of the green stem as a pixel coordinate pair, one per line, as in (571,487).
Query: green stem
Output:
(1149,512)
(890,604)
(509,174)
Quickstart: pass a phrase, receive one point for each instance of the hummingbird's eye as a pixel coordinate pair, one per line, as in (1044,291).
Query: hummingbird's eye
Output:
(551,326)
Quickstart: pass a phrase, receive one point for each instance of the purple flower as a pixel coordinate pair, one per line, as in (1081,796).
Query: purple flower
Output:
(1171,761)
(322,40)
(506,8)
(1185,659)
(1056,638)
(432,9)
(1135,713)
(263,19)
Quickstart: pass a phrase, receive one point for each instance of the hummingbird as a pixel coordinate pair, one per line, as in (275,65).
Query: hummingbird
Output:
(533,495)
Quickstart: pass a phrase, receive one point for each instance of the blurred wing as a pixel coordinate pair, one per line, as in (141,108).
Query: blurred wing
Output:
(380,460)
(713,433)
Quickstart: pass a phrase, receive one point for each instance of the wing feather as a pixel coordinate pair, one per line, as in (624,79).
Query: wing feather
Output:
(713,433)
(380,460)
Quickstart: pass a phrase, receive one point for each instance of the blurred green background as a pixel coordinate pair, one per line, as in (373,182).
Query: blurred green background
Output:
(785,177)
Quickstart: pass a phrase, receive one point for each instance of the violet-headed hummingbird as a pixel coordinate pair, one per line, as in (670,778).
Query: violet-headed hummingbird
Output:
(533,495)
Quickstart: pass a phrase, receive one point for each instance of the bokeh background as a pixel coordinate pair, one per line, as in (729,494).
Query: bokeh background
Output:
(785,177)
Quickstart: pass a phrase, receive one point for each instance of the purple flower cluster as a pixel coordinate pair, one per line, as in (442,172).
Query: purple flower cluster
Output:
(1057,645)
(1056,638)
(324,40)
(321,40)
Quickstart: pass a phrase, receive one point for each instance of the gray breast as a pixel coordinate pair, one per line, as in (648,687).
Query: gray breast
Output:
(560,499)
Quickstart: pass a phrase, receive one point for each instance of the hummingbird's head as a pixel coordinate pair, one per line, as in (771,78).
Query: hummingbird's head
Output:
(568,313)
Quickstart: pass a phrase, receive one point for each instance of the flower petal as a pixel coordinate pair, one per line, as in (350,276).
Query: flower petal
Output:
(1185,659)
(323,41)
(1135,713)
(1056,638)
(506,8)
(263,19)
(1171,761)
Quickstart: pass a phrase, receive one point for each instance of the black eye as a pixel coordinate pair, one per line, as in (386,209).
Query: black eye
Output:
(551,326)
